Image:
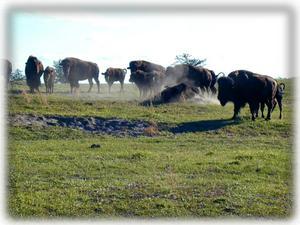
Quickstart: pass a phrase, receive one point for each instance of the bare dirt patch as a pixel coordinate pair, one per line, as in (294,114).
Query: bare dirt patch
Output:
(98,125)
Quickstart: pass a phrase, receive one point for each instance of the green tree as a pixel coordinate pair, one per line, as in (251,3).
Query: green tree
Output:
(59,72)
(189,60)
(17,75)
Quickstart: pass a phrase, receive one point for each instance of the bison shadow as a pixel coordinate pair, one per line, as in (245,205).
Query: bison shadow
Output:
(202,126)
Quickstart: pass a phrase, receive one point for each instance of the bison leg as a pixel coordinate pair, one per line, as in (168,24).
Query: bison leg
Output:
(262,108)
(254,110)
(98,84)
(91,84)
(122,86)
(236,110)
(109,87)
(280,107)
(270,106)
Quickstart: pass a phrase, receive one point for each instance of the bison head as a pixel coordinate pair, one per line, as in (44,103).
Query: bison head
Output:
(34,63)
(136,76)
(66,65)
(225,90)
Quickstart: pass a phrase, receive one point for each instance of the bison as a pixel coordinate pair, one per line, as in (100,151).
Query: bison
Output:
(177,93)
(33,71)
(76,69)
(7,66)
(143,80)
(49,78)
(242,87)
(115,74)
(180,92)
(144,66)
(194,76)
(278,99)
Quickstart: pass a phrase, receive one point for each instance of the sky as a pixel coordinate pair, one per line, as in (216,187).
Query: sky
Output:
(252,41)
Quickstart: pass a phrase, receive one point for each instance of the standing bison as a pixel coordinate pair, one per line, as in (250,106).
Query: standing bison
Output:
(49,78)
(115,74)
(33,71)
(242,87)
(76,69)
(148,77)
(278,99)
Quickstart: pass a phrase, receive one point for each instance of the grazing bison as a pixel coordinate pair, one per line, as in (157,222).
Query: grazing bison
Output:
(114,74)
(278,99)
(242,87)
(33,71)
(49,78)
(194,76)
(77,69)
(144,66)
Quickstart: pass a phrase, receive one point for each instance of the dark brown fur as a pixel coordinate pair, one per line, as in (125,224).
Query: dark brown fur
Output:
(147,82)
(144,66)
(49,78)
(115,74)
(180,92)
(33,71)
(194,76)
(77,69)
(242,87)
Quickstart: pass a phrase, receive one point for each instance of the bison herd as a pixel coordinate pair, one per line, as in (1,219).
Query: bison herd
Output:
(170,84)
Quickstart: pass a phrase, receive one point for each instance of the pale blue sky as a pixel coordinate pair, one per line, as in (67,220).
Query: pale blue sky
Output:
(241,41)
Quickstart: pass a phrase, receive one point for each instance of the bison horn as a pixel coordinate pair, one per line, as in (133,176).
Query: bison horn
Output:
(221,73)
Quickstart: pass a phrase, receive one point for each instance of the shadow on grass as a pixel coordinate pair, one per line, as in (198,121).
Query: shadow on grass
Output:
(204,125)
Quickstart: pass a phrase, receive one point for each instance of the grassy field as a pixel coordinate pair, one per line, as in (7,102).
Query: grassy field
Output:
(200,164)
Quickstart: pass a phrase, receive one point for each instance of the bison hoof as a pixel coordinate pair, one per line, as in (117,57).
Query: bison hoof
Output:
(268,118)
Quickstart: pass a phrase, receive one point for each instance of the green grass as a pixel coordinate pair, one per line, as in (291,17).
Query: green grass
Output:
(215,168)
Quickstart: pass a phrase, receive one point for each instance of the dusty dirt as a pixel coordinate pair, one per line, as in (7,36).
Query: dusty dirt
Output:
(113,126)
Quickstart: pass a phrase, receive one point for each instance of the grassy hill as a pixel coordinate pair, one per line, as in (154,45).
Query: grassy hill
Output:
(196,163)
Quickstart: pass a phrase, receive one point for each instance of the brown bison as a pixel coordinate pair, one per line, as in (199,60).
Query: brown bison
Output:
(278,99)
(115,74)
(33,71)
(77,69)
(194,76)
(147,76)
(242,87)
(49,78)
(147,82)
(144,66)
(7,66)
(180,92)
